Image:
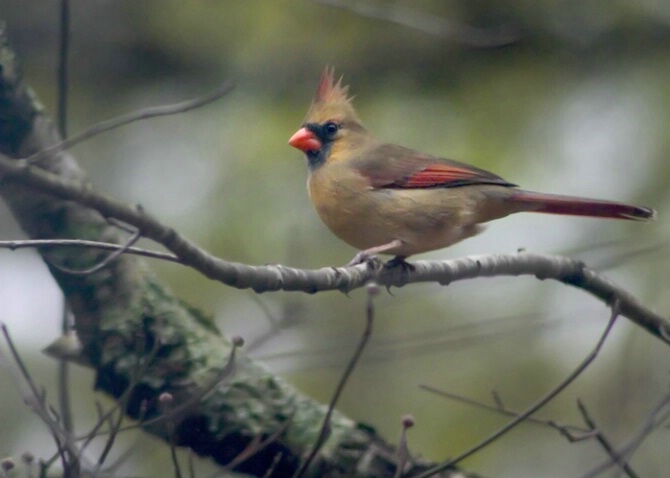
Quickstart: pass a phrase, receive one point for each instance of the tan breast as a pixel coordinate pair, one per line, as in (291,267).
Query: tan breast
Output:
(342,198)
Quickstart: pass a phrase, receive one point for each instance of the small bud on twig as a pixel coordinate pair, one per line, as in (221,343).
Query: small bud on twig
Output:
(372,288)
(7,464)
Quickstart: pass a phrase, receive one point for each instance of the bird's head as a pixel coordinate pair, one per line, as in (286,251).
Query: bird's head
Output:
(331,128)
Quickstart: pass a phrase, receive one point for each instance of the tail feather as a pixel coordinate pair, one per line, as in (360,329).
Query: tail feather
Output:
(576,206)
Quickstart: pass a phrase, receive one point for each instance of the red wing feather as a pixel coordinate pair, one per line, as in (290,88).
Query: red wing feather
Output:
(391,166)
(436,175)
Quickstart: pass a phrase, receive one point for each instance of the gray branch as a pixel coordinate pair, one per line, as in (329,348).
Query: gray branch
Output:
(345,279)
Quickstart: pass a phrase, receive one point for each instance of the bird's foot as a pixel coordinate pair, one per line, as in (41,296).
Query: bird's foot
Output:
(399,261)
(368,255)
(364,257)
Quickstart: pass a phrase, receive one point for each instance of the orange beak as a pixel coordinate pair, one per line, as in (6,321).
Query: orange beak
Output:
(305,140)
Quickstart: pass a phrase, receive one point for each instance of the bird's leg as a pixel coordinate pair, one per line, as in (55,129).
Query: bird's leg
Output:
(368,254)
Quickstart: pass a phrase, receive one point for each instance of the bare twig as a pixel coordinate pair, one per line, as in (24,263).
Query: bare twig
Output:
(105,246)
(407,422)
(256,445)
(165,402)
(64,401)
(658,415)
(275,461)
(190,463)
(111,469)
(194,398)
(28,460)
(497,399)
(103,263)
(142,114)
(324,432)
(604,442)
(532,409)
(138,371)
(115,426)
(36,400)
(63,52)
(61,121)
(413,344)
(568,431)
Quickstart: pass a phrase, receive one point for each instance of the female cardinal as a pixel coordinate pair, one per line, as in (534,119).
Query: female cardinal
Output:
(387,199)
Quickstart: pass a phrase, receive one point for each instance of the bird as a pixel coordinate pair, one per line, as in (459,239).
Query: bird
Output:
(384,198)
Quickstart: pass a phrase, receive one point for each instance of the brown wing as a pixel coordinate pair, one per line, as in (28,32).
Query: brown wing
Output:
(391,166)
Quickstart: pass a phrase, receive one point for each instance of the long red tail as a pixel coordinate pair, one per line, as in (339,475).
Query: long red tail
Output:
(576,206)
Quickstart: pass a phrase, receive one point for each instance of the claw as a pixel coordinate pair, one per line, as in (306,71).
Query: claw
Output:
(360,258)
(365,257)
(368,255)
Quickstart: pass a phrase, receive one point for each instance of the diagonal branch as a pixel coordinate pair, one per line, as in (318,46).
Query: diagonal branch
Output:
(128,118)
(277,277)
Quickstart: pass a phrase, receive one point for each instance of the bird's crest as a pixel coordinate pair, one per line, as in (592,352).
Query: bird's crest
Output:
(328,90)
(331,99)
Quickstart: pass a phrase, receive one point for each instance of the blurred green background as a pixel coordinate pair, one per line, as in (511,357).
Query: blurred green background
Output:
(567,96)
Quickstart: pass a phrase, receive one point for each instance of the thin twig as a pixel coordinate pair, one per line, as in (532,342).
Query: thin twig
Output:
(256,445)
(658,415)
(407,422)
(497,399)
(125,119)
(113,432)
(165,402)
(61,121)
(288,316)
(566,430)
(194,398)
(103,263)
(137,373)
(532,409)
(105,246)
(324,432)
(110,470)
(604,442)
(417,344)
(275,461)
(61,453)
(191,463)
(63,52)
(175,460)
(64,401)
(37,400)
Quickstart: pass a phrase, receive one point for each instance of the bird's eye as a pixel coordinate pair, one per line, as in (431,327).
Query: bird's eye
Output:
(331,128)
